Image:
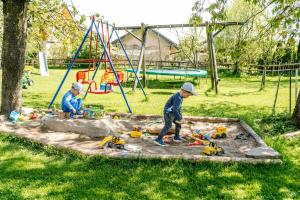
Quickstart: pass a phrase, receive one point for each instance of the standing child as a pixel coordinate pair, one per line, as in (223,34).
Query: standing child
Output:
(172,113)
(69,102)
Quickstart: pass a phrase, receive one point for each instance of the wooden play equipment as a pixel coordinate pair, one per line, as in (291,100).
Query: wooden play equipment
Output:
(211,33)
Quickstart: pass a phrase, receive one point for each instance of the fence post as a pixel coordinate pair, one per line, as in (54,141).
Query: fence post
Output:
(296,85)
(276,95)
(290,108)
(263,79)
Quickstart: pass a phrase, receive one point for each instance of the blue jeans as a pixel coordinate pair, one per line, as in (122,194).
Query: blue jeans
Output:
(169,118)
(76,105)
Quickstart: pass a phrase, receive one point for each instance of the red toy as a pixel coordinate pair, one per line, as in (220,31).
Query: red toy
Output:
(196,143)
(33,116)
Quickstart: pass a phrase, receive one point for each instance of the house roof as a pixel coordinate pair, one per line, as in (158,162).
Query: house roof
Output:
(155,32)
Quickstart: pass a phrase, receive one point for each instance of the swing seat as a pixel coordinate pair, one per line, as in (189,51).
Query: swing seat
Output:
(81,77)
(109,77)
(94,90)
(100,91)
(114,83)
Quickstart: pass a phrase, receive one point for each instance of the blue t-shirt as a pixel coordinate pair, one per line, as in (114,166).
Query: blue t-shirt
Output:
(68,100)
(173,105)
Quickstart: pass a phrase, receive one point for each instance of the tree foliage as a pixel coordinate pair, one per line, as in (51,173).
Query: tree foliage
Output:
(190,46)
(268,35)
(31,22)
(53,21)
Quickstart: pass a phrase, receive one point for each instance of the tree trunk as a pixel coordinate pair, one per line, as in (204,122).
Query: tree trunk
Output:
(13,53)
(296,114)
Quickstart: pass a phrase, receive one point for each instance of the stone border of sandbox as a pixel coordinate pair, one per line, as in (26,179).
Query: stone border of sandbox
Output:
(261,154)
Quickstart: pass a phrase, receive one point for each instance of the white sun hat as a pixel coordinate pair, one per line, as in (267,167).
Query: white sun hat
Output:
(77,86)
(189,87)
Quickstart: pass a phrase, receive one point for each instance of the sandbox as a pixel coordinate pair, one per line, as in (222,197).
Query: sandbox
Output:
(84,136)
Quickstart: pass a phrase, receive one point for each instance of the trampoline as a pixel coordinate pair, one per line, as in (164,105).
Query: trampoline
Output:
(174,72)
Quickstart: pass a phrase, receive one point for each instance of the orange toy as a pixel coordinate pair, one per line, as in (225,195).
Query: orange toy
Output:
(109,77)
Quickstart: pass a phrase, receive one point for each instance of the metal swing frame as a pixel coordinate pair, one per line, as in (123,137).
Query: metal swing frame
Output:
(104,53)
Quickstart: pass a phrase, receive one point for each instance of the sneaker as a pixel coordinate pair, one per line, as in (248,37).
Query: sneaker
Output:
(160,142)
(178,139)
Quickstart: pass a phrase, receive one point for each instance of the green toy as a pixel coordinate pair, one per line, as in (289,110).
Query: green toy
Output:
(26,80)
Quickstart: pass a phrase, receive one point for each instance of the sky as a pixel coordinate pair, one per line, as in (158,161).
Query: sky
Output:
(134,12)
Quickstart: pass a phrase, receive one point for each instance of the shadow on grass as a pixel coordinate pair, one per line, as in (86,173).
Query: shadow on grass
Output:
(208,91)
(230,94)
(163,84)
(162,93)
(70,175)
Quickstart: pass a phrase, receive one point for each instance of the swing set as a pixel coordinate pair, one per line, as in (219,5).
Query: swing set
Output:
(111,76)
(107,80)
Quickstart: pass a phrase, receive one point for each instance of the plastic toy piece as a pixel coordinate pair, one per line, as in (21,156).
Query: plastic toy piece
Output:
(221,132)
(88,114)
(197,139)
(242,136)
(213,150)
(115,140)
(26,80)
(14,116)
(204,136)
(22,118)
(196,143)
(105,141)
(136,133)
(33,116)
(115,146)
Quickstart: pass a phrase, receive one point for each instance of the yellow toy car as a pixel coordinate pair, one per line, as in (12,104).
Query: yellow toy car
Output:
(221,132)
(113,139)
(117,140)
(213,150)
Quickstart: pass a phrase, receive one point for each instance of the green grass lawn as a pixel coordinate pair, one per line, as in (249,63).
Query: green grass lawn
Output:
(28,170)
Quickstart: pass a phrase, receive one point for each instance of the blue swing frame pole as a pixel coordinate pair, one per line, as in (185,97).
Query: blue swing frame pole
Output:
(97,67)
(113,68)
(124,50)
(71,65)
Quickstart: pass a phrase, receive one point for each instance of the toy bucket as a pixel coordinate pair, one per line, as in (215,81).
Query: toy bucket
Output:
(14,115)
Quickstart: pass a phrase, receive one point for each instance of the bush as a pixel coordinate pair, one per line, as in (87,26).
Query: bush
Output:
(277,124)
